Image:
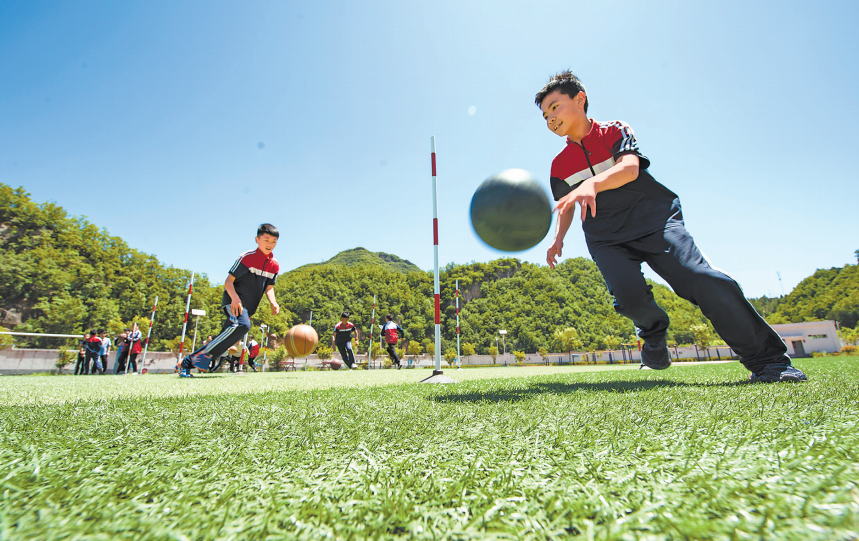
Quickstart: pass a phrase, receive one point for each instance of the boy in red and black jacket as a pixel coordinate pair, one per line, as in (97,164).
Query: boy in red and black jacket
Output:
(251,278)
(92,349)
(392,332)
(629,218)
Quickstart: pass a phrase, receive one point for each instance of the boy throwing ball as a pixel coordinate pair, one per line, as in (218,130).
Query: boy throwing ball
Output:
(251,277)
(629,218)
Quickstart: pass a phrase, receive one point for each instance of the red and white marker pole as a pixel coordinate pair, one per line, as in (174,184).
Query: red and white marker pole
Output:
(436,289)
(458,358)
(148,334)
(372,322)
(130,346)
(185,323)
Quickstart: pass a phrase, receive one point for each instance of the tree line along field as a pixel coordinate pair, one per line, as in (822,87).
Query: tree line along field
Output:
(61,274)
(694,452)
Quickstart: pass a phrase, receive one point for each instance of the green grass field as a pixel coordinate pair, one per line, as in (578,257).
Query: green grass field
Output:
(597,452)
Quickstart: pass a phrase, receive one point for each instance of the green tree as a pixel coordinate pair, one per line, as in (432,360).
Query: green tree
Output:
(850,336)
(612,342)
(450,356)
(493,352)
(567,339)
(415,348)
(6,340)
(173,345)
(468,349)
(65,357)
(544,354)
(375,350)
(702,335)
(429,346)
(324,352)
(520,356)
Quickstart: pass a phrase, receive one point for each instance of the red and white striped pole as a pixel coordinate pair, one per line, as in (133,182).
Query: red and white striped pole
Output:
(130,346)
(458,358)
(372,322)
(185,323)
(436,289)
(148,334)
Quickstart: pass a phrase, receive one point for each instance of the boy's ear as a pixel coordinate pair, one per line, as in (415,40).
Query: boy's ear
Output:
(581,98)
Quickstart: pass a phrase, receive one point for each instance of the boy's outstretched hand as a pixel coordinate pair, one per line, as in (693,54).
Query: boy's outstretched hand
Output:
(554,251)
(585,195)
(236,307)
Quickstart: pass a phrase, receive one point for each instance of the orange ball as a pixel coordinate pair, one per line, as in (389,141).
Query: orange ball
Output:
(300,341)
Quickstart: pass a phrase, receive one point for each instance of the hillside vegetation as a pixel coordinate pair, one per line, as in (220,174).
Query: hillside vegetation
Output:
(61,274)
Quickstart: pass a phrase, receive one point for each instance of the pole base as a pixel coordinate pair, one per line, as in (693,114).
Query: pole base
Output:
(438,377)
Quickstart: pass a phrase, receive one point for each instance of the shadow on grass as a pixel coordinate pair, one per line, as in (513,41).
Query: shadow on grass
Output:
(515,395)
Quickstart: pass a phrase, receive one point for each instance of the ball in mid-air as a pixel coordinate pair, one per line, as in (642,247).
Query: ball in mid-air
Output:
(510,211)
(300,341)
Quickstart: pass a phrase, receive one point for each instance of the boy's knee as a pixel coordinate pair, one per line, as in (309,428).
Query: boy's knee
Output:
(629,298)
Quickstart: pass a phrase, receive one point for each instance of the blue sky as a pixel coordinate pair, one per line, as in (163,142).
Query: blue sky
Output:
(180,126)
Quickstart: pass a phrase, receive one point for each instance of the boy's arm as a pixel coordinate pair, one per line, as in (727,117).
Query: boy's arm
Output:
(269,293)
(230,288)
(623,172)
(563,224)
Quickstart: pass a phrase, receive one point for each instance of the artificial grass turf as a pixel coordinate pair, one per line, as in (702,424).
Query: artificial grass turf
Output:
(517,453)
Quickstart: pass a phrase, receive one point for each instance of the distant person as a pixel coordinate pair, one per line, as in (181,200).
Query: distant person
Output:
(131,350)
(253,352)
(92,348)
(342,339)
(236,351)
(629,218)
(392,332)
(251,278)
(104,351)
(119,342)
(80,366)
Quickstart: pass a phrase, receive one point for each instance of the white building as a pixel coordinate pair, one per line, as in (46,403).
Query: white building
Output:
(803,338)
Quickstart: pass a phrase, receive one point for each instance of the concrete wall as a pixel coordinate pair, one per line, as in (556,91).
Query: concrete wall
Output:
(15,361)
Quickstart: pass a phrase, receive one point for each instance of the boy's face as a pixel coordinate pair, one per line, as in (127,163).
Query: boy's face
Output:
(563,113)
(344,320)
(266,243)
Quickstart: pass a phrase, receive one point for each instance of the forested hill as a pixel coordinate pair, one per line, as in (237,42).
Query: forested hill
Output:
(362,256)
(61,274)
(827,294)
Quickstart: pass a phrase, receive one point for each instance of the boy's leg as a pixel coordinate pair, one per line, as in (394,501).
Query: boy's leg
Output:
(674,256)
(132,361)
(233,329)
(392,353)
(620,266)
(344,354)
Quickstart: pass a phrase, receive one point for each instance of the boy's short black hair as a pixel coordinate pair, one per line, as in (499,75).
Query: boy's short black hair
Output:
(564,82)
(389,317)
(102,331)
(344,314)
(268,229)
(92,332)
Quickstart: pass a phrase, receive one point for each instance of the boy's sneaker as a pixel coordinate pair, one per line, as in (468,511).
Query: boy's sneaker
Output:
(200,361)
(655,356)
(777,372)
(185,373)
